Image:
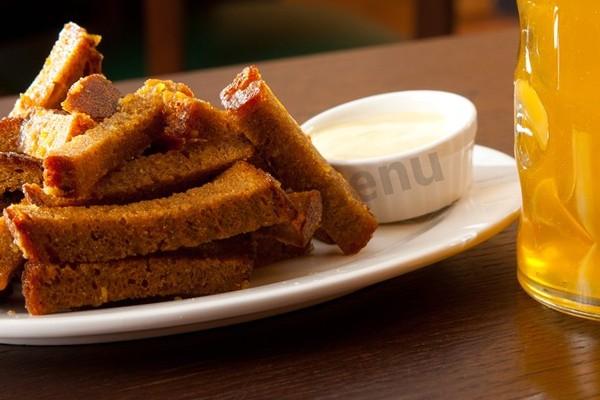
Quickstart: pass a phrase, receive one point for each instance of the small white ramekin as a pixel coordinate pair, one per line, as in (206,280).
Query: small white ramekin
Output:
(418,181)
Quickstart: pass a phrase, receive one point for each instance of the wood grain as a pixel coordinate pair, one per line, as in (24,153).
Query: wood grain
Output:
(459,329)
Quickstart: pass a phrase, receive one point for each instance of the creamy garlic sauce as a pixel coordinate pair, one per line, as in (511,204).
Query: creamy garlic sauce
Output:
(379,135)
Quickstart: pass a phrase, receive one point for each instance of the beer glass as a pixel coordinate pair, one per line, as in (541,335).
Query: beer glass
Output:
(557,147)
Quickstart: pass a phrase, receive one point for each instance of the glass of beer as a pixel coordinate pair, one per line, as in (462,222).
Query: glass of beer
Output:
(557,146)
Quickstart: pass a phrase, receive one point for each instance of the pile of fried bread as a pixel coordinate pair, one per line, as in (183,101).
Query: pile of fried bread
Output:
(112,197)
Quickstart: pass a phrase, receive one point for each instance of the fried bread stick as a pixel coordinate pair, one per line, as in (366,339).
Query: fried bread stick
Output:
(51,288)
(73,55)
(156,175)
(73,169)
(240,200)
(295,161)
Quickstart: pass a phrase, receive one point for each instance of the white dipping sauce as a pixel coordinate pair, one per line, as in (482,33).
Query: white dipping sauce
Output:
(378,135)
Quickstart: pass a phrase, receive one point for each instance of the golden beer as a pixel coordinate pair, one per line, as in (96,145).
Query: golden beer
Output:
(557,146)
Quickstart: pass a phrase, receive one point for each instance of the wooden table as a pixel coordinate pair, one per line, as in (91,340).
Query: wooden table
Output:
(459,329)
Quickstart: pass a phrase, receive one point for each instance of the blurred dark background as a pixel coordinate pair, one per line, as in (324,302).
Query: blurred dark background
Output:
(150,37)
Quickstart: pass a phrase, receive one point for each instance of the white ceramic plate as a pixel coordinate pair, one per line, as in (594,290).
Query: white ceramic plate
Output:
(491,205)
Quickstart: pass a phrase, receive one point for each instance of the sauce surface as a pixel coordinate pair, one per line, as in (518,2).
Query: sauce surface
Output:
(378,135)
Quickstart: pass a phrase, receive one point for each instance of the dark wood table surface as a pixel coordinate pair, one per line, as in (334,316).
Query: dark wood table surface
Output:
(458,329)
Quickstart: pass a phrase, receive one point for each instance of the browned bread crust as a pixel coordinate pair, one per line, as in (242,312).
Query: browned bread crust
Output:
(74,55)
(51,288)
(242,199)
(295,161)
(93,95)
(156,175)
(73,169)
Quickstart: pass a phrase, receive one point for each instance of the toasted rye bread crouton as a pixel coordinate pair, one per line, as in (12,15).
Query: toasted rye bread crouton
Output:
(51,288)
(240,200)
(156,175)
(73,169)
(47,130)
(73,55)
(93,95)
(295,161)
